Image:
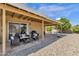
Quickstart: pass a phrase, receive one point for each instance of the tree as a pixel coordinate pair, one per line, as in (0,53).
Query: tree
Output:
(65,26)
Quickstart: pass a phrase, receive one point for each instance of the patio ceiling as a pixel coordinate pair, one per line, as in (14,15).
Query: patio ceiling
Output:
(20,16)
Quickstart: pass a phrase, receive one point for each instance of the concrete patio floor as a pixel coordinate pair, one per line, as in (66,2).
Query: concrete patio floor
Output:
(32,47)
(65,46)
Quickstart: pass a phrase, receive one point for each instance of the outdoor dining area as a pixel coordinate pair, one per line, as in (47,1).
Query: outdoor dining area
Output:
(22,37)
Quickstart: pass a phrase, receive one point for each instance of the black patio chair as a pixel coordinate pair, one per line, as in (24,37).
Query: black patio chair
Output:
(34,35)
(14,40)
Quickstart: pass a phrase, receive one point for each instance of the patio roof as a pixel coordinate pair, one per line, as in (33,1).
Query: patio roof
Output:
(27,9)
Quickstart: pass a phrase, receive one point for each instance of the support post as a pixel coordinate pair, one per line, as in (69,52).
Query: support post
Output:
(3,32)
(27,28)
(42,30)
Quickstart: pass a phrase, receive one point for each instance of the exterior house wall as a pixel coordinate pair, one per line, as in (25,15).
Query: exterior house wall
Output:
(37,27)
(32,25)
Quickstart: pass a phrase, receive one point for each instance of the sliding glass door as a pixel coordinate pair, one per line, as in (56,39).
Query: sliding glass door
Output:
(17,28)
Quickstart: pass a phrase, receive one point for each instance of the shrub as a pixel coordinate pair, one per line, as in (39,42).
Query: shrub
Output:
(75,29)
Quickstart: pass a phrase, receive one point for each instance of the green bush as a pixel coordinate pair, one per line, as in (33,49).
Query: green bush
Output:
(75,29)
(49,28)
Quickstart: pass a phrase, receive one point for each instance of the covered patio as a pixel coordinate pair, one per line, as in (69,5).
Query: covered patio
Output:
(10,14)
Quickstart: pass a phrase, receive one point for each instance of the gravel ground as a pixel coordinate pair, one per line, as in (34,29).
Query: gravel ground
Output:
(65,46)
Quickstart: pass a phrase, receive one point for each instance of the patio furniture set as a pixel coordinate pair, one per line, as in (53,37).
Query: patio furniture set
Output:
(17,38)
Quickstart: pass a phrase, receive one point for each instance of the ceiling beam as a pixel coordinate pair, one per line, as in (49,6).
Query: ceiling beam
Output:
(20,16)
(13,15)
(26,17)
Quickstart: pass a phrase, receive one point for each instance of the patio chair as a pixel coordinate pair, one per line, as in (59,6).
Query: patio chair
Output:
(34,35)
(14,39)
